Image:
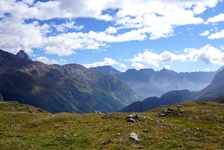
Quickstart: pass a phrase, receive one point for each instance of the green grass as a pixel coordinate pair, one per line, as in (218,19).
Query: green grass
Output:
(197,126)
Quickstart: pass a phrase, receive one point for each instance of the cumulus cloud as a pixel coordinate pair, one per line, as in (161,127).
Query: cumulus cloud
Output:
(50,61)
(138,65)
(153,59)
(105,62)
(208,54)
(133,20)
(15,34)
(111,30)
(217,35)
(205,33)
(46,60)
(217,18)
(68,25)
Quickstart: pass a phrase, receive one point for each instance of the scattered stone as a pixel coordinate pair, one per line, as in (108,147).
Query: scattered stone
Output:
(97,112)
(13,123)
(132,118)
(141,147)
(165,112)
(118,134)
(169,112)
(107,142)
(134,136)
(178,106)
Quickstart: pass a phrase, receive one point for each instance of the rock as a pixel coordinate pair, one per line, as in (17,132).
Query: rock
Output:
(165,112)
(132,117)
(118,134)
(130,120)
(1,98)
(97,112)
(134,136)
(178,106)
(145,130)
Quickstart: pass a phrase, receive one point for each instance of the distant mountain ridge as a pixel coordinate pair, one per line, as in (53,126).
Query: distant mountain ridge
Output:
(168,98)
(148,83)
(68,88)
(214,92)
(106,70)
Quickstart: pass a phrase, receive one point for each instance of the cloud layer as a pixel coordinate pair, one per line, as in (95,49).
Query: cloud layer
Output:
(30,24)
(207,54)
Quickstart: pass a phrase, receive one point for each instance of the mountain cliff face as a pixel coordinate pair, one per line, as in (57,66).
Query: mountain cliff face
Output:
(147,82)
(215,89)
(69,88)
(168,98)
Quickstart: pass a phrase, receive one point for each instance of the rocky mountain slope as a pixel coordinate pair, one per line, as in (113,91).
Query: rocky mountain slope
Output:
(215,89)
(68,88)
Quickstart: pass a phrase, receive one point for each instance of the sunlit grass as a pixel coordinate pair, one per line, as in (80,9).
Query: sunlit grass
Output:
(195,126)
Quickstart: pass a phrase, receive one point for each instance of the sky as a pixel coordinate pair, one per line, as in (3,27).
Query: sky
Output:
(181,35)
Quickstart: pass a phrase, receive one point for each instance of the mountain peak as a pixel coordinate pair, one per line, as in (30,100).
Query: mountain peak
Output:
(106,70)
(23,55)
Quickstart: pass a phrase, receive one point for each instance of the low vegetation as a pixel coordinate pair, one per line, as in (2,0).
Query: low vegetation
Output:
(193,126)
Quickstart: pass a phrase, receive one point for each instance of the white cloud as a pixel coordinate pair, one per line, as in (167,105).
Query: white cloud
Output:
(167,67)
(205,33)
(47,60)
(136,20)
(208,54)
(153,59)
(111,30)
(68,25)
(105,62)
(138,66)
(16,35)
(217,35)
(217,18)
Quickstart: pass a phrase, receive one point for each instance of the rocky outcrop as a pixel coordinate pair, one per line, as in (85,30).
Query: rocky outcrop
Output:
(23,55)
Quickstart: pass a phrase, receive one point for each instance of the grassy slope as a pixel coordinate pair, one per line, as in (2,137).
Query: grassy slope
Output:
(198,126)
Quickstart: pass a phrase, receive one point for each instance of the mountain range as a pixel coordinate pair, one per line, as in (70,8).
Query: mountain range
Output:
(74,88)
(68,88)
(215,91)
(148,83)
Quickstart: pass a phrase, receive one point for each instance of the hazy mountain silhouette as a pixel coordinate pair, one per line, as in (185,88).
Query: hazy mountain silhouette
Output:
(168,98)
(147,82)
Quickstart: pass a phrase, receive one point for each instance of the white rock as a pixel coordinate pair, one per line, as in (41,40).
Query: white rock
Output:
(134,136)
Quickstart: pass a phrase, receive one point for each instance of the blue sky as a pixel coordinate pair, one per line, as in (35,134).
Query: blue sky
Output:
(186,35)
